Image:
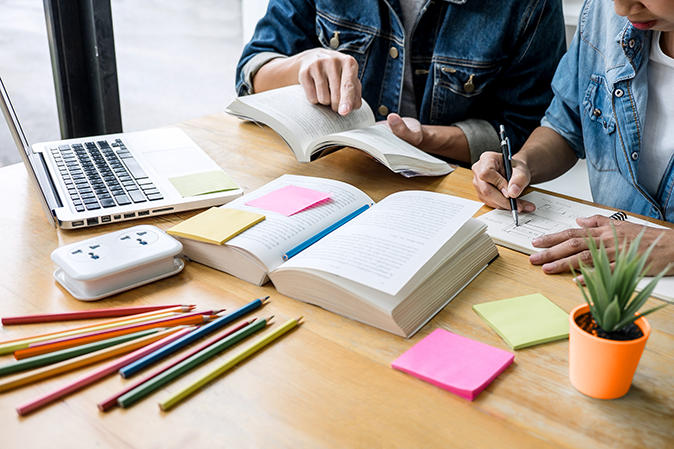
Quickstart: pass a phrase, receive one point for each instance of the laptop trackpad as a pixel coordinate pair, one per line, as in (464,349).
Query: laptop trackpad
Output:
(179,161)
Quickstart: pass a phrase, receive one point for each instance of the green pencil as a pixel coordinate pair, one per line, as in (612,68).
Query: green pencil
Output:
(229,363)
(156,382)
(53,357)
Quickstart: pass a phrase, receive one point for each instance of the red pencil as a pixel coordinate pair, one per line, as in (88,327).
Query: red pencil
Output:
(85,314)
(112,401)
(99,373)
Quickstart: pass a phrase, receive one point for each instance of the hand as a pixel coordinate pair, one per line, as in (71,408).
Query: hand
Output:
(491,185)
(330,78)
(447,141)
(568,247)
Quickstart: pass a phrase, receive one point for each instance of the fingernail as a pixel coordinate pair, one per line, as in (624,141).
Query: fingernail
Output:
(535,258)
(344,109)
(537,241)
(394,120)
(514,190)
(529,208)
(504,192)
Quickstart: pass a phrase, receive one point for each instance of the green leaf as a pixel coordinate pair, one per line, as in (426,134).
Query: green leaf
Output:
(611,316)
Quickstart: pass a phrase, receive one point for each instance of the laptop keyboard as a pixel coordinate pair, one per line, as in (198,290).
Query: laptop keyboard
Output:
(102,174)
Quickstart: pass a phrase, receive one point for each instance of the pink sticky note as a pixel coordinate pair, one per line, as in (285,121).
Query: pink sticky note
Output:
(458,364)
(289,200)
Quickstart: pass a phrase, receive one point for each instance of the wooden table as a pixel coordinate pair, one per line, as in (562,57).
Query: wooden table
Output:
(328,383)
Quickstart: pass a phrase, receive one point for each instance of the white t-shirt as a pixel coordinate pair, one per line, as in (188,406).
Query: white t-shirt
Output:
(658,140)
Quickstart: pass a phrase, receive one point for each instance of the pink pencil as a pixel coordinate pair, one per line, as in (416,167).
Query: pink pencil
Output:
(112,401)
(99,373)
(85,314)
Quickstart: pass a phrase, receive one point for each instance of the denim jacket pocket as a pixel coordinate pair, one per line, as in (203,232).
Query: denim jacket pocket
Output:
(456,87)
(348,40)
(598,116)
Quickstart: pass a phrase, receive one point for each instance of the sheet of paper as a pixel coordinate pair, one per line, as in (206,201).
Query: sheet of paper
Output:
(555,214)
(289,200)
(525,320)
(203,183)
(385,246)
(457,364)
(216,225)
(270,239)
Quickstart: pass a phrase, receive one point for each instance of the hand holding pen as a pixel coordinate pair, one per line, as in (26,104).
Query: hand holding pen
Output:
(507,162)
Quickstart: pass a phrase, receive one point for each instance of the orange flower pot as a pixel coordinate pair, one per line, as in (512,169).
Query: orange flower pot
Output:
(602,368)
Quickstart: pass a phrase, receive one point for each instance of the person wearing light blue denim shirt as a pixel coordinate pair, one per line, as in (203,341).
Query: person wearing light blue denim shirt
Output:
(599,113)
(467,63)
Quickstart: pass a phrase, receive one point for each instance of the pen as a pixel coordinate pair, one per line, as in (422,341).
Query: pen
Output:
(311,240)
(507,157)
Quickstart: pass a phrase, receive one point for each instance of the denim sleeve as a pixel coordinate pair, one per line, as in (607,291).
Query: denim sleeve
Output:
(523,91)
(287,28)
(563,115)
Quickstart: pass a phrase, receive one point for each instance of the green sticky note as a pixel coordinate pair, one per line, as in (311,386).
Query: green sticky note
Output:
(203,183)
(216,225)
(525,320)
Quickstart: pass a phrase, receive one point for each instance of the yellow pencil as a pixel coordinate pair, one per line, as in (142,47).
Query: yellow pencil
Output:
(228,364)
(23,343)
(83,360)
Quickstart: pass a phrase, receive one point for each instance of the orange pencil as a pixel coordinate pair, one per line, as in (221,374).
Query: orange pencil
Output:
(87,314)
(58,346)
(24,342)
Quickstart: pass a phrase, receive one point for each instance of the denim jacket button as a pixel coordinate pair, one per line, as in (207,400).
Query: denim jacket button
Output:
(619,93)
(334,40)
(383,110)
(597,112)
(631,43)
(635,155)
(393,52)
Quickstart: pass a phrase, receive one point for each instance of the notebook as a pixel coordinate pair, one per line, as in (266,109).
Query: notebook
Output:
(117,177)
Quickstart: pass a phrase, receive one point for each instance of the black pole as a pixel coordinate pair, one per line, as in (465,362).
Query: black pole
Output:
(82,46)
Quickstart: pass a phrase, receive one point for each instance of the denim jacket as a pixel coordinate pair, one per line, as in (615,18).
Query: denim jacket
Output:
(491,59)
(601,89)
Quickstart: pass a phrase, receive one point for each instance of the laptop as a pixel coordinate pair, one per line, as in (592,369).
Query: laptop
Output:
(118,177)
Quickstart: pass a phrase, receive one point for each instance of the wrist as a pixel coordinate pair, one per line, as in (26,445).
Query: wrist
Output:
(446,141)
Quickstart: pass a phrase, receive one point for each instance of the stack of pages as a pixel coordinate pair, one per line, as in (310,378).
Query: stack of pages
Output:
(393,266)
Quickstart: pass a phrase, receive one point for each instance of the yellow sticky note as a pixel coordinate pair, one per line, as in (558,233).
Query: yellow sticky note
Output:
(216,225)
(203,183)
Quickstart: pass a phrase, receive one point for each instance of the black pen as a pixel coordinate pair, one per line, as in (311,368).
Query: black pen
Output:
(507,157)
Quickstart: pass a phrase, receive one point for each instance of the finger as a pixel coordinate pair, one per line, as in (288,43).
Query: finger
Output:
(557,238)
(349,87)
(594,221)
(309,88)
(489,169)
(525,206)
(518,181)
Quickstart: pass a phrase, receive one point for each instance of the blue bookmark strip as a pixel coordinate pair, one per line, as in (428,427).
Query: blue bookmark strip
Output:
(311,240)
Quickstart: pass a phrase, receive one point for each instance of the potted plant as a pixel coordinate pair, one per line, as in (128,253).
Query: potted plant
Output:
(608,334)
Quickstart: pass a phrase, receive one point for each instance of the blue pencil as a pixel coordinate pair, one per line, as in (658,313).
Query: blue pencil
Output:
(132,368)
(311,240)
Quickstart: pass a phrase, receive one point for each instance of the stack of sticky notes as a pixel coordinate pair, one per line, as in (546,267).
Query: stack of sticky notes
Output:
(216,225)
(458,364)
(525,320)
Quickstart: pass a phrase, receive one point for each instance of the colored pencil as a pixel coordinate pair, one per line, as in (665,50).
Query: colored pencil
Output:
(71,342)
(165,338)
(232,361)
(22,343)
(112,400)
(157,382)
(138,365)
(53,357)
(87,314)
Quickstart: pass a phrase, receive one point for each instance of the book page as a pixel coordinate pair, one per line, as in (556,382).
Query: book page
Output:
(385,246)
(277,234)
(552,215)
(304,120)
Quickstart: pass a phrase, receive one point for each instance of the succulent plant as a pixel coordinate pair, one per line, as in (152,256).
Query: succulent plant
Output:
(611,290)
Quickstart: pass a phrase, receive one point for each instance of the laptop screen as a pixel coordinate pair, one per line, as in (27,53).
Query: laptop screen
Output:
(24,147)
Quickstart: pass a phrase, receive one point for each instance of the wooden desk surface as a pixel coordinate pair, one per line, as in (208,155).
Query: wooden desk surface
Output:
(328,383)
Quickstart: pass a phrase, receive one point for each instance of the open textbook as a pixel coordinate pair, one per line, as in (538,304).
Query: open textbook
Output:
(312,131)
(394,266)
(554,214)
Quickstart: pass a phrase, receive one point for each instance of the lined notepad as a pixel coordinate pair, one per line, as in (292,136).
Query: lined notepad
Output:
(457,364)
(525,320)
(216,225)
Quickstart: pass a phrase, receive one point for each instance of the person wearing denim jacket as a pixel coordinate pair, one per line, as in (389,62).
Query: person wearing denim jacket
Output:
(599,113)
(473,64)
